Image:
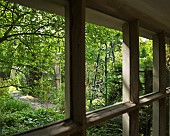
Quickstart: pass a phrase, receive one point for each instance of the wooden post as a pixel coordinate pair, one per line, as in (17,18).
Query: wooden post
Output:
(131,76)
(126,76)
(159,84)
(67,62)
(148,81)
(168,116)
(58,76)
(77,64)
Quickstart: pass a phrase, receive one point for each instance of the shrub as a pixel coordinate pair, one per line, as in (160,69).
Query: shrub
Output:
(112,127)
(20,121)
(12,105)
(17,116)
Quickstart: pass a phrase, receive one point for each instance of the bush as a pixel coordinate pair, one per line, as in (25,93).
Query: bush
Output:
(112,127)
(11,105)
(17,116)
(20,121)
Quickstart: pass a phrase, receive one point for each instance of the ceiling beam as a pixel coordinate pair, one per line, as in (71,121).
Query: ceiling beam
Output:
(122,10)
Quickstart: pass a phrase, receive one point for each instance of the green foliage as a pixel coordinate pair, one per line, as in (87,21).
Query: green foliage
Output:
(145,119)
(168,57)
(20,121)
(146,53)
(110,128)
(11,105)
(103,49)
(32,44)
(18,116)
(4,94)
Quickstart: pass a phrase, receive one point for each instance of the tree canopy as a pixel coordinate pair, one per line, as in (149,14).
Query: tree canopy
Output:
(31,41)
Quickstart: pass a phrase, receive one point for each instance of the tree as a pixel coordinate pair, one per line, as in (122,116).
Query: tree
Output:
(103,59)
(30,42)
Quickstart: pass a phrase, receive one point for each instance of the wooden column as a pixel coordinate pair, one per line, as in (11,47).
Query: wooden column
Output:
(126,76)
(67,61)
(168,116)
(159,84)
(58,76)
(131,76)
(77,64)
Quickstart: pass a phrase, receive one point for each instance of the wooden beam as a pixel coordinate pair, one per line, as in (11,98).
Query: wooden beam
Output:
(98,116)
(67,62)
(134,61)
(168,130)
(99,18)
(134,76)
(62,128)
(151,97)
(131,62)
(159,84)
(155,84)
(126,63)
(77,64)
(155,63)
(126,11)
(106,113)
(131,76)
(162,63)
(162,84)
(56,6)
(126,76)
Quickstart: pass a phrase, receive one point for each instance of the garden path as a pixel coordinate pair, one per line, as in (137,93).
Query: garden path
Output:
(34,102)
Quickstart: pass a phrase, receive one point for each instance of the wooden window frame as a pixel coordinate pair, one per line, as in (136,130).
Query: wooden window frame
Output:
(79,120)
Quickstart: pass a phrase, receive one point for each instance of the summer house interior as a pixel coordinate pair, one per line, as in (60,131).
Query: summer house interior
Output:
(149,19)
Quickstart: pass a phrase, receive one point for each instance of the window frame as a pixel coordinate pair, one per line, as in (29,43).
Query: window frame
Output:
(79,120)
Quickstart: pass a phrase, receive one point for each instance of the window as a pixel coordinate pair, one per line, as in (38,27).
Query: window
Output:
(145,65)
(32,68)
(79,122)
(103,66)
(145,120)
(110,127)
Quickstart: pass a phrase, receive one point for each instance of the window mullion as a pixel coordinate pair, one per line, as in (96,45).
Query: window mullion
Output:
(77,64)
(159,85)
(131,76)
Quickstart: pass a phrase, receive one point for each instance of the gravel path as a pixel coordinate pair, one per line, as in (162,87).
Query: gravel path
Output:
(34,102)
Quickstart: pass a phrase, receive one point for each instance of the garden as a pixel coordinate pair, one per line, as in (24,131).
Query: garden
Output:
(32,71)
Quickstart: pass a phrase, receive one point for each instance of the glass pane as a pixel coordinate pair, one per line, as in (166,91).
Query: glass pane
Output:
(32,63)
(145,120)
(103,66)
(145,65)
(111,127)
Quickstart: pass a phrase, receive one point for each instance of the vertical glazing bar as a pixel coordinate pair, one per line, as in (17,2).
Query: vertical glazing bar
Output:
(134,76)
(126,76)
(162,84)
(159,84)
(77,64)
(156,84)
(131,76)
(67,62)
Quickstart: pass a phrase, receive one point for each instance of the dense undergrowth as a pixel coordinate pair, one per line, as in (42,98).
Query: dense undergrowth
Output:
(18,116)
